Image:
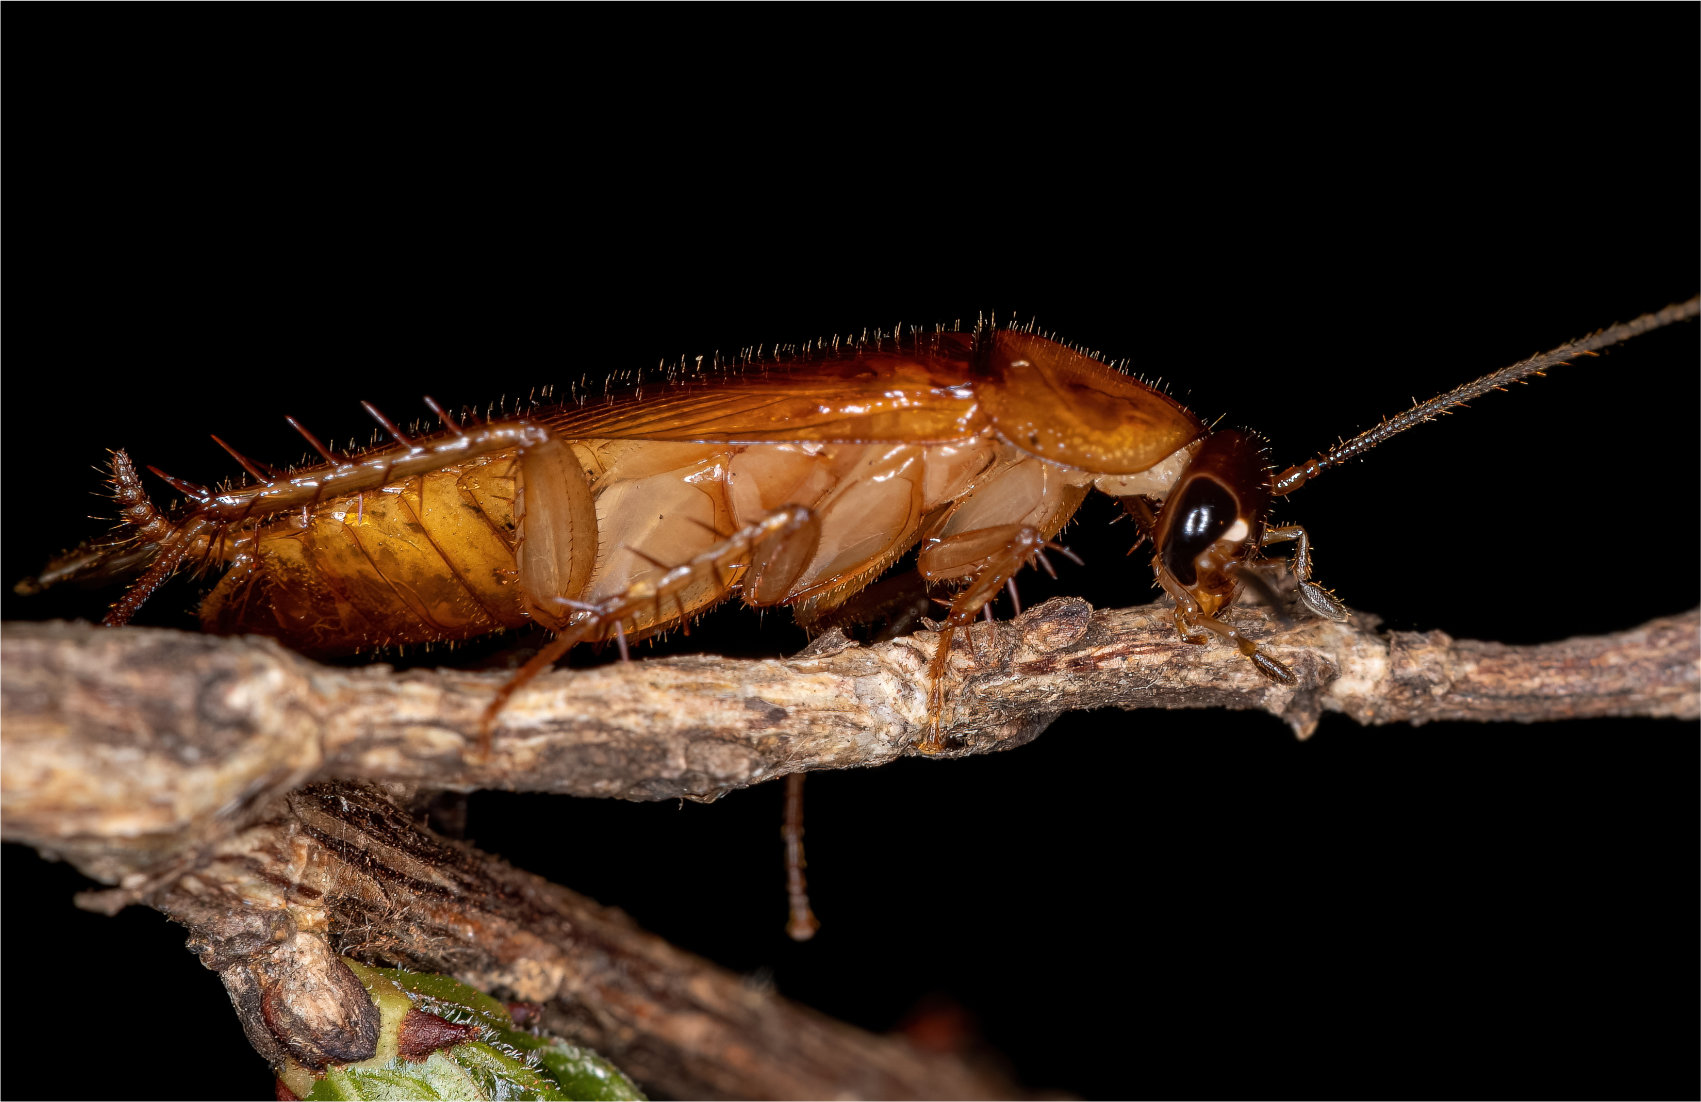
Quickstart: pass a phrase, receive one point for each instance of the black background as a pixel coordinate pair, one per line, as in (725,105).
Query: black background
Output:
(1301,219)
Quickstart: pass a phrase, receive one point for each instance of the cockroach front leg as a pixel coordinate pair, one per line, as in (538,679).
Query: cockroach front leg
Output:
(1269,667)
(1188,630)
(1189,618)
(1320,601)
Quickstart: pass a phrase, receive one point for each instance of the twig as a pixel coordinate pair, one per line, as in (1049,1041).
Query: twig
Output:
(339,868)
(127,751)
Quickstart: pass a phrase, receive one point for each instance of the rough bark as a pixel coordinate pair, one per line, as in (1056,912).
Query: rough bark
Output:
(174,766)
(126,751)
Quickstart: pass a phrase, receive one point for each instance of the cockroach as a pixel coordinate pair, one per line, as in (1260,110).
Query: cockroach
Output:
(794,479)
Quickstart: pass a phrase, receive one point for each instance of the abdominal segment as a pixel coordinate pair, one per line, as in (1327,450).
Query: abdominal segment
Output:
(428,559)
(516,537)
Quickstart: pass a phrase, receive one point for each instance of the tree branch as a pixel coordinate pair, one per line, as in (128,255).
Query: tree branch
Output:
(339,868)
(172,764)
(128,751)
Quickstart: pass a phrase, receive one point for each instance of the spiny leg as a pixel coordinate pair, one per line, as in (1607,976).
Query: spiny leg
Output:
(1138,508)
(1320,601)
(166,562)
(552,653)
(312,441)
(257,471)
(988,557)
(192,490)
(387,425)
(769,545)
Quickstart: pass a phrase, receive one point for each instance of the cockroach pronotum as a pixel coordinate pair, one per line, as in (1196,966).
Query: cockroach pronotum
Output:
(794,479)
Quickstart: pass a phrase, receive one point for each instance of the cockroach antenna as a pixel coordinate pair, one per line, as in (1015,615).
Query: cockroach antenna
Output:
(1296,476)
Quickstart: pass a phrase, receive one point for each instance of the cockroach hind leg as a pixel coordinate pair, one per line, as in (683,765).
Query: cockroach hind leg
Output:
(600,617)
(539,662)
(258,471)
(387,425)
(192,490)
(442,415)
(933,737)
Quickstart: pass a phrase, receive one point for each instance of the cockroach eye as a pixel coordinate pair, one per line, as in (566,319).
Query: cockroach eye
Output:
(1207,511)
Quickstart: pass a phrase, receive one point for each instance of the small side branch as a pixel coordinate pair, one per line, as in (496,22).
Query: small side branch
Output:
(338,868)
(127,750)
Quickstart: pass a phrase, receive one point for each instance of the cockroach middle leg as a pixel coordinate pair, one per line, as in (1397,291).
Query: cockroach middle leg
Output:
(988,558)
(1139,509)
(1320,601)
(801,922)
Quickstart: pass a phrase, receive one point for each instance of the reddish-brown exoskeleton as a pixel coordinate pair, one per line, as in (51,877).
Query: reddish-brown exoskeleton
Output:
(793,480)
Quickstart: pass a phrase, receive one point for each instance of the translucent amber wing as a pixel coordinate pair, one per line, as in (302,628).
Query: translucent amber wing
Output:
(915,392)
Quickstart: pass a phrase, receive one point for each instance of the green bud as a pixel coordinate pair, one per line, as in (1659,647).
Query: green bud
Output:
(490,1058)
